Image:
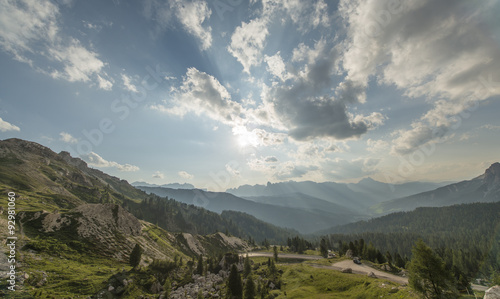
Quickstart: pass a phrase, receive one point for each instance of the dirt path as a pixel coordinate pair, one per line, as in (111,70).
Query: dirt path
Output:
(284,255)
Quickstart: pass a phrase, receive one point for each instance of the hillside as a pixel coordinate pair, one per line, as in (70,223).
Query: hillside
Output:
(305,221)
(54,181)
(484,188)
(57,180)
(465,236)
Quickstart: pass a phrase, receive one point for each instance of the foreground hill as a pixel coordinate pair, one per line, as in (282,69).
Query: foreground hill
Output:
(484,188)
(305,221)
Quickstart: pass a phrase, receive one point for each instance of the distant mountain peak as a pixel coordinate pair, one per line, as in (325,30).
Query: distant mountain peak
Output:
(492,174)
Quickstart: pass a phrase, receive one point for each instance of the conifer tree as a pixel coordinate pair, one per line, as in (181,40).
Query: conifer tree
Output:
(199,267)
(234,284)
(247,267)
(249,289)
(135,256)
(428,274)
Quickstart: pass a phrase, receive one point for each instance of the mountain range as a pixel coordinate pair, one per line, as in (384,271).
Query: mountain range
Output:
(305,220)
(484,188)
(357,197)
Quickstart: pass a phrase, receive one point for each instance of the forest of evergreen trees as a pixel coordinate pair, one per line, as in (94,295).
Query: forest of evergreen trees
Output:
(180,217)
(466,237)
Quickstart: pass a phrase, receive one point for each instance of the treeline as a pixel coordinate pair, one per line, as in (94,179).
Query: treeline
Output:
(175,216)
(465,236)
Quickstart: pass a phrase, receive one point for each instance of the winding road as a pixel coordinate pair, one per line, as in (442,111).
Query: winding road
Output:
(356,268)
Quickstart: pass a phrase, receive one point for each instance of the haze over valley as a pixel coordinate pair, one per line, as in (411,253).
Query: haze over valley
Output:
(249,149)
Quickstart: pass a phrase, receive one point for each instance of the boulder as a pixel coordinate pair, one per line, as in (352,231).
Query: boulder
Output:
(372,275)
(492,293)
(346,270)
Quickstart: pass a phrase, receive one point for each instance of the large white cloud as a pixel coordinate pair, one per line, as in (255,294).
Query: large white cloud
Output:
(29,30)
(202,93)
(439,50)
(6,126)
(248,41)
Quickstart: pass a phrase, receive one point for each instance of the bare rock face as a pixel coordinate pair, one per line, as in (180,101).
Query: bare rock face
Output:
(98,218)
(492,174)
(492,293)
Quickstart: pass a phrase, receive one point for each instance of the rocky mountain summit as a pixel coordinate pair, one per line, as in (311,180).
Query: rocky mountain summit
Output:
(484,188)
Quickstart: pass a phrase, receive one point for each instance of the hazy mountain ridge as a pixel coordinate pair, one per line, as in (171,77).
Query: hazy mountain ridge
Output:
(357,197)
(170,185)
(302,220)
(484,188)
(301,201)
(429,220)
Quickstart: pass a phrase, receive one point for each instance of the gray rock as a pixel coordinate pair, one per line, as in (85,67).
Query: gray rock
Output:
(346,270)
(492,293)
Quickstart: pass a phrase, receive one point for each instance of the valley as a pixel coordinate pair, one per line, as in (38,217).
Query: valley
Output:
(77,229)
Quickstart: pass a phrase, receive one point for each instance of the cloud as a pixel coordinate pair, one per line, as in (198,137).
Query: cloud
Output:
(376,145)
(271,159)
(248,41)
(276,66)
(454,67)
(104,84)
(408,141)
(289,170)
(306,104)
(127,82)
(185,175)
(6,126)
(202,94)
(30,30)
(306,15)
(190,14)
(490,127)
(158,175)
(66,137)
(231,170)
(95,160)
(341,169)
(258,137)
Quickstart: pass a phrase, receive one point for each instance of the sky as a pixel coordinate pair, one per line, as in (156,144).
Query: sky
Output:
(230,92)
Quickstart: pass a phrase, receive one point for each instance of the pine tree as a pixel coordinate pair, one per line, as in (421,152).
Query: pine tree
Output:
(234,285)
(275,249)
(428,274)
(249,289)
(247,267)
(323,248)
(199,267)
(135,256)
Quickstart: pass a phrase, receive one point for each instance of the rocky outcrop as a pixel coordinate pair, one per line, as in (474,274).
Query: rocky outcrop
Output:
(492,293)
(111,218)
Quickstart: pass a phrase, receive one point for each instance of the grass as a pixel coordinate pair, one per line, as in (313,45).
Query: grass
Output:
(303,281)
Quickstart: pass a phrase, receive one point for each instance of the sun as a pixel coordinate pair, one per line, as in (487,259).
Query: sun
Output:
(245,138)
